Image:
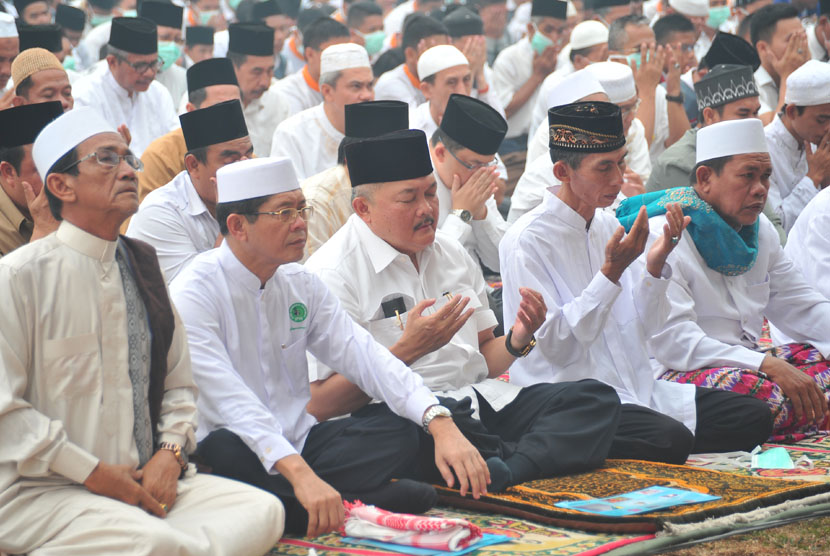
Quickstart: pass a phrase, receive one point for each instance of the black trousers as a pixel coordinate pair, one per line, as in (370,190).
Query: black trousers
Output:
(555,428)
(726,422)
(355,455)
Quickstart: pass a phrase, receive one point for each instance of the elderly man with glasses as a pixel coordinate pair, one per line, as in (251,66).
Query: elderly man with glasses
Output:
(126,93)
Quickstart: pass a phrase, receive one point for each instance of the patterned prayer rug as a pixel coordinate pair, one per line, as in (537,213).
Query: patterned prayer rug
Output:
(535,499)
(530,539)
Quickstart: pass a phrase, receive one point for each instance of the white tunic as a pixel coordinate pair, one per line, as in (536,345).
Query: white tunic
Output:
(594,328)
(808,243)
(512,68)
(296,93)
(309,140)
(716,320)
(817,51)
(248,347)
(174,80)
(365,271)
(396,85)
(393,22)
(175,220)
(789,189)
(262,116)
(89,49)
(148,115)
(539,115)
(767,90)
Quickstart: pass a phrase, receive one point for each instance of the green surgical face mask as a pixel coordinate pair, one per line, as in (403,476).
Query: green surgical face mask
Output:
(97,19)
(69,62)
(374,42)
(718,16)
(130,13)
(169,52)
(635,57)
(205,15)
(540,42)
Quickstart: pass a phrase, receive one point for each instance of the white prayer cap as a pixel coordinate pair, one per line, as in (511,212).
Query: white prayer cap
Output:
(588,33)
(573,87)
(339,57)
(809,85)
(730,138)
(571,10)
(617,80)
(439,58)
(64,134)
(691,8)
(7,27)
(256,177)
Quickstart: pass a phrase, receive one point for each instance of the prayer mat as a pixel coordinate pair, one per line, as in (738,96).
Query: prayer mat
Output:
(529,539)
(535,499)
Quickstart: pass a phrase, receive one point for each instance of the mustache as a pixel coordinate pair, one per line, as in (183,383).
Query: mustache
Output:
(428,220)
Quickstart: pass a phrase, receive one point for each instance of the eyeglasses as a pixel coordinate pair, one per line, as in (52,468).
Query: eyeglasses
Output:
(111,159)
(142,67)
(289,214)
(474,166)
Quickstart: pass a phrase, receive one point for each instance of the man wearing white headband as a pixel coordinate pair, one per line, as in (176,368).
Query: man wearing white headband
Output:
(311,138)
(9,48)
(250,316)
(100,410)
(729,273)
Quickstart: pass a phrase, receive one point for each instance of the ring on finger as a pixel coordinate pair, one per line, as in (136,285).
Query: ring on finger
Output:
(164,507)
(674,240)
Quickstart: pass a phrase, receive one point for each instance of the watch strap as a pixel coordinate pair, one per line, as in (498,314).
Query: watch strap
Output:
(678,98)
(518,353)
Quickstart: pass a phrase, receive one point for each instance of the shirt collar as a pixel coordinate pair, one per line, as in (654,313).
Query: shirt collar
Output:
(10,211)
(237,271)
(120,91)
(562,211)
(762,77)
(786,138)
(380,253)
(195,205)
(85,243)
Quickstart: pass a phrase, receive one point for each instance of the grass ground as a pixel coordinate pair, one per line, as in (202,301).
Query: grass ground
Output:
(807,538)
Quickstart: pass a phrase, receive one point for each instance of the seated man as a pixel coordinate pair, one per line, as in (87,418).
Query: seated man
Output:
(410,285)
(574,252)
(729,272)
(808,246)
(38,76)
(311,138)
(250,316)
(330,192)
(178,219)
(99,408)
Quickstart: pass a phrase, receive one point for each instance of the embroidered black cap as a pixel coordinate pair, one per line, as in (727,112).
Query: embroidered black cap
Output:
(589,127)
(725,83)
(136,35)
(213,71)
(370,119)
(213,125)
(397,156)
(474,124)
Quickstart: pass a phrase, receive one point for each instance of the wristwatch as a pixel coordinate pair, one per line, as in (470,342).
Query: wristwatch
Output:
(181,457)
(522,352)
(464,214)
(432,412)
(678,99)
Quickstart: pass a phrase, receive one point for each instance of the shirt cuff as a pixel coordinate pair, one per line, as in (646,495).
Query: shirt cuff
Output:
(602,289)
(273,449)
(418,403)
(74,463)
(174,438)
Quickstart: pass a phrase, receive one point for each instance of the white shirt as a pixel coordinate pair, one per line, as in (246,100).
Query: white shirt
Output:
(262,116)
(661,124)
(702,45)
(808,243)
(248,347)
(293,63)
(396,85)
(296,92)
(539,114)
(512,68)
(67,397)
(480,237)
(148,115)
(393,22)
(174,80)
(716,320)
(816,48)
(594,327)
(789,187)
(767,90)
(309,140)
(175,220)
(89,48)
(365,271)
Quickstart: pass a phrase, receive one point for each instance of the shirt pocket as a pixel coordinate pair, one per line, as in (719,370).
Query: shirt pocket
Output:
(72,366)
(388,331)
(295,364)
(759,292)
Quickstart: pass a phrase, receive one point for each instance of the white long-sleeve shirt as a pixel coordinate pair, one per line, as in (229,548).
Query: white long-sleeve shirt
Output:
(594,328)
(789,189)
(175,220)
(767,90)
(539,115)
(297,93)
(309,140)
(67,400)
(262,116)
(808,243)
(148,115)
(248,346)
(512,68)
(395,84)
(716,320)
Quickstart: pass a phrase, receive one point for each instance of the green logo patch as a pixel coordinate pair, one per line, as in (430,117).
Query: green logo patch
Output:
(298,312)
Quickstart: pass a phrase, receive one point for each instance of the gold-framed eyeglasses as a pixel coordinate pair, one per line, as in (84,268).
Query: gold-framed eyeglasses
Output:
(288,214)
(474,166)
(110,160)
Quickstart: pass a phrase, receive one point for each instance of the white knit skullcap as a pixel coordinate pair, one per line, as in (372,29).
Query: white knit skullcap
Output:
(617,80)
(573,87)
(588,33)
(691,8)
(809,85)
(339,57)
(439,58)
(64,134)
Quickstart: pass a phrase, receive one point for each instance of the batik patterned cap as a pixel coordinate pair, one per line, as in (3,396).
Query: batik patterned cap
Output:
(589,127)
(723,84)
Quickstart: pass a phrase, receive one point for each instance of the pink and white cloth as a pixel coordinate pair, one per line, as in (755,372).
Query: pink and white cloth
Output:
(435,533)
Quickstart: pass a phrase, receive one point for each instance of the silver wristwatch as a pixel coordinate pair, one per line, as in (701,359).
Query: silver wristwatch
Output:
(464,214)
(432,412)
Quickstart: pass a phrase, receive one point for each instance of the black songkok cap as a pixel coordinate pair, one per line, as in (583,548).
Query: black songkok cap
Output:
(588,127)
(549,8)
(731,49)
(198,34)
(21,5)
(162,13)
(291,8)
(41,36)
(370,119)
(473,124)
(723,84)
(462,22)
(213,125)
(397,156)
(136,35)
(70,18)
(309,16)
(266,9)
(213,71)
(21,124)
(253,39)
(600,4)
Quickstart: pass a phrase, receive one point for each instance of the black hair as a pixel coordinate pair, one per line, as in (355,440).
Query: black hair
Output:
(581,52)
(766,19)
(237,59)
(359,11)
(62,166)
(798,109)
(12,155)
(322,31)
(22,89)
(449,143)
(745,26)
(716,164)
(387,61)
(418,26)
(244,207)
(200,154)
(569,157)
(669,24)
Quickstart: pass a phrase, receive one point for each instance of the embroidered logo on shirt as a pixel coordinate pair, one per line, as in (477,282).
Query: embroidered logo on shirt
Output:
(298,312)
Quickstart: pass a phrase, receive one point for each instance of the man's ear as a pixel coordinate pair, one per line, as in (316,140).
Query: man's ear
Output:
(327,91)
(426,89)
(191,164)
(111,61)
(60,187)
(530,30)
(7,172)
(562,171)
(236,227)
(440,152)
(361,208)
(703,176)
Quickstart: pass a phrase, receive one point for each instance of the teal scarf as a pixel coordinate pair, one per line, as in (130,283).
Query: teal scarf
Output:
(725,250)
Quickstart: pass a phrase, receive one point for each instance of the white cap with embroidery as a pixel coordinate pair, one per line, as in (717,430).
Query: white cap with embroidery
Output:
(339,57)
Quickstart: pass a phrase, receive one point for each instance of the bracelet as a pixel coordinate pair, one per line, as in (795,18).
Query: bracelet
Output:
(678,98)
(522,352)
